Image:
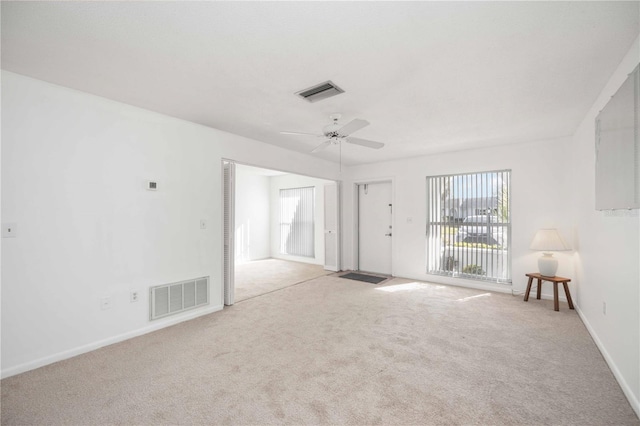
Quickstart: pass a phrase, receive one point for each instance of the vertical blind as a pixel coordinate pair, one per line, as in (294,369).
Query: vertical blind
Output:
(297,226)
(469,226)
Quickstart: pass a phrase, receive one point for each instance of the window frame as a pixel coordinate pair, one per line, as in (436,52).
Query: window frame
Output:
(446,255)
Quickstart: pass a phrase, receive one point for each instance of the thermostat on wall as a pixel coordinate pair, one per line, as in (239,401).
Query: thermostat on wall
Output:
(152,185)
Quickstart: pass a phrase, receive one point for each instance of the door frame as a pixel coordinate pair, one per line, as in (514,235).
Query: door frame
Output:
(338,185)
(232,235)
(356,219)
(228,263)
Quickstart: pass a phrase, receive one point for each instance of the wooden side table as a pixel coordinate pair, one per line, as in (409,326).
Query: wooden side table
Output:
(555,281)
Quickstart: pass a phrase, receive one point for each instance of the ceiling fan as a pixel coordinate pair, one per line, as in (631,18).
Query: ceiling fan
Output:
(335,133)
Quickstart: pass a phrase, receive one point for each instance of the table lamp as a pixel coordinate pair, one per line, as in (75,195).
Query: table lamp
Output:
(548,241)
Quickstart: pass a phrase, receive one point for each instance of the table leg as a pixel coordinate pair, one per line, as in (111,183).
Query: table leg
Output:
(539,288)
(526,294)
(556,305)
(566,291)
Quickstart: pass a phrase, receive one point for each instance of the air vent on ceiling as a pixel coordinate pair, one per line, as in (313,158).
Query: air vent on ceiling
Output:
(320,91)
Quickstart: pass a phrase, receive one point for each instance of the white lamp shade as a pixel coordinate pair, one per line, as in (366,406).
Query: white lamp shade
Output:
(548,240)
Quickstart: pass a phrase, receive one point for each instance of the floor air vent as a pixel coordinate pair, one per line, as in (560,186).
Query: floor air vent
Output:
(320,91)
(170,299)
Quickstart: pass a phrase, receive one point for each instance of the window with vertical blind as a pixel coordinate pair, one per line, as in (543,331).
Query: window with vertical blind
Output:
(297,226)
(469,226)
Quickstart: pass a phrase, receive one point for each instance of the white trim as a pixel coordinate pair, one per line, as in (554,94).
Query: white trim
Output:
(228,207)
(626,389)
(222,228)
(355,263)
(543,296)
(157,325)
(461,282)
(338,226)
(299,259)
(486,285)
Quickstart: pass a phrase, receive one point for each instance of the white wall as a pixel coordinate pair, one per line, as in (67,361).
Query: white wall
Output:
(253,233)
(608,253)
(73,169)
(538,200)
(297,181)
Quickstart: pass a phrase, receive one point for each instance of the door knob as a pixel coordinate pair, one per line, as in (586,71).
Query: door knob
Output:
(387,235)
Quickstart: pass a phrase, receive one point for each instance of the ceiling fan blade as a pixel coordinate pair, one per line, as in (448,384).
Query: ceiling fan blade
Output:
(302,133)
(322,146)
(352,126)
(365,142)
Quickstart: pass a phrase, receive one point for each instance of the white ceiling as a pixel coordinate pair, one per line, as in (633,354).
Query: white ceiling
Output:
(429,76)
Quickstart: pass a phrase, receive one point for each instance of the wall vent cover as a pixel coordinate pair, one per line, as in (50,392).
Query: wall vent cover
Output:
(170,299)
(320,91)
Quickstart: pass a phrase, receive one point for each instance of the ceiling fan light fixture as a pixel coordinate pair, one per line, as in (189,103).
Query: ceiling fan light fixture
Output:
(320,91)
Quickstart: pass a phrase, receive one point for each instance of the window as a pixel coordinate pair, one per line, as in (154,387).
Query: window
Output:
(469,226)
(297,226)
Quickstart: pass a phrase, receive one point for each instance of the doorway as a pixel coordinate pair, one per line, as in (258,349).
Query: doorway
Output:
(374,225)
(280,228)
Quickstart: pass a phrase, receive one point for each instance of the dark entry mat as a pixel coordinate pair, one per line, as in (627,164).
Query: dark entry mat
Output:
(362,277)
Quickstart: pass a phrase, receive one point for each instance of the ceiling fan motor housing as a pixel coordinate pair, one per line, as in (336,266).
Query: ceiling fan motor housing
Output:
(330,132)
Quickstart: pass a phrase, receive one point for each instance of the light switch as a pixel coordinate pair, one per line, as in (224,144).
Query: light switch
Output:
(9,230)
(203,224)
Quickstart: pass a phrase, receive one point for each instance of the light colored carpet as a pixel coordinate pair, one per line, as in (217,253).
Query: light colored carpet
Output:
(264,276)
(337,351)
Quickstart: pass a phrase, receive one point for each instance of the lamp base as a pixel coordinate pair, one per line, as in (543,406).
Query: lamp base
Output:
(547,265)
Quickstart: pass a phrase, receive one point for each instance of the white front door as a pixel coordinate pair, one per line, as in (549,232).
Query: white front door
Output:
(374,227)
(331,227)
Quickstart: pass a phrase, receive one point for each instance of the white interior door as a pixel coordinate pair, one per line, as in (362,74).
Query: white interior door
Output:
(229,211)
(374,227)
(331,227)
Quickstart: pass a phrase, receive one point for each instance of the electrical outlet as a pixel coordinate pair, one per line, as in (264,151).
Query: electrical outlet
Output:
(106,303)
(133,296)
(604,308)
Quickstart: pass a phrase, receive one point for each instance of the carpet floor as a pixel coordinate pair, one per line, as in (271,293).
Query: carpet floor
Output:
(337,351)
(264,276)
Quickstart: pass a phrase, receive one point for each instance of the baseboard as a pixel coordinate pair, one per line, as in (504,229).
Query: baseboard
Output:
(543,296)
(299,259)
(626,389)
(481,285)
(460,282)
(41,362)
